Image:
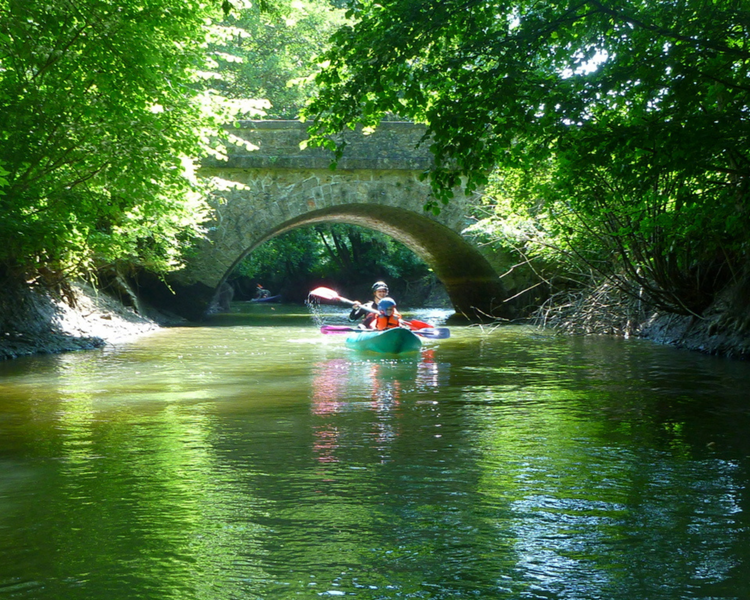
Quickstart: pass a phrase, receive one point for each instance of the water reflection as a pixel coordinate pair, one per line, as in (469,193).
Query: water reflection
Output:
(373,385)
(120,499)
(259,462)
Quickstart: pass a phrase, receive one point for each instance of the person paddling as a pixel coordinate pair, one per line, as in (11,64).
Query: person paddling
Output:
(388,317)
(359,310)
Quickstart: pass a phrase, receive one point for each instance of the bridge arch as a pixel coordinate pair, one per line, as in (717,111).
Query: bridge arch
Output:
(272,186)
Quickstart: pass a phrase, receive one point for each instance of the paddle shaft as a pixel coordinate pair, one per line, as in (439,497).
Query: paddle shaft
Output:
(377,312)
(437,333)
(362,306)
(329,294)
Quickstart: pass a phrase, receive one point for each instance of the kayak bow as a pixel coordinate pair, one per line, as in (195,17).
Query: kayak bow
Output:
(391,341)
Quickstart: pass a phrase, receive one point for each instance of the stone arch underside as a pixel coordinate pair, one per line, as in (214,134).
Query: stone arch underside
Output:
(467,276)
(265,192)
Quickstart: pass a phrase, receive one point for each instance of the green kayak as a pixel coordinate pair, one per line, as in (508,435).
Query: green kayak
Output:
(390,341)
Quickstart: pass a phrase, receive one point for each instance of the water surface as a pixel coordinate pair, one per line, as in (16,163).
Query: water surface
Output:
(253,458)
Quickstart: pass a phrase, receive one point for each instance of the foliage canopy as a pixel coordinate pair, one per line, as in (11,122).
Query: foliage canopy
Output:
(270,55)
(99,121)
(634,113)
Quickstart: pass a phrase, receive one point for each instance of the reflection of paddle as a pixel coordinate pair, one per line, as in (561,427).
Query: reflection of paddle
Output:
(329,294)
(433,333)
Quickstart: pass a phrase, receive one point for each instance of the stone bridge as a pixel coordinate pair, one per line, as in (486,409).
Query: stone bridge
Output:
(271,186)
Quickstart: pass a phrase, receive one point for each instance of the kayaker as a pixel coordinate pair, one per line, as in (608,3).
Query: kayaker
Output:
(261,292)
(388,317)
(379,291)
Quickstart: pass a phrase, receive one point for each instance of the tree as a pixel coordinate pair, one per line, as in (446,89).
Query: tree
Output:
(348,254)
(354,254)
(271,55)
(637,110)
(99,123)
(284,260)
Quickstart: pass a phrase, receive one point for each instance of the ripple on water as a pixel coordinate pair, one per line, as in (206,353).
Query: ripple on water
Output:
(240,462)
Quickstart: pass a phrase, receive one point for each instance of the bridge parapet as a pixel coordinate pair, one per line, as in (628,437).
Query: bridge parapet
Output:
(394,145)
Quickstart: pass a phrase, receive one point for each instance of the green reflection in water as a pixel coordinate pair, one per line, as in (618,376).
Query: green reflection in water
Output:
(593,490)
(248,460)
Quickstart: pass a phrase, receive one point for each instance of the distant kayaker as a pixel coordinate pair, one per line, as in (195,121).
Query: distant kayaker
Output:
(261,292)
(388,317)
(379,291)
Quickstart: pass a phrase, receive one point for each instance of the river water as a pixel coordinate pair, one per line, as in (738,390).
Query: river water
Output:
(253,458)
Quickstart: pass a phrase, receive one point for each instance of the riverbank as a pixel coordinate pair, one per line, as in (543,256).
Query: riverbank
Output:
(40,322)
(36,322)
(722,330)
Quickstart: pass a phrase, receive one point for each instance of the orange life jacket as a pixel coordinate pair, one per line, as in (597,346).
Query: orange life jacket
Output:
(382,322)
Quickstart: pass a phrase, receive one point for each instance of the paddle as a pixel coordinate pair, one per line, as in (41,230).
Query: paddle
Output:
(329,329)
(329,294)
(433,333)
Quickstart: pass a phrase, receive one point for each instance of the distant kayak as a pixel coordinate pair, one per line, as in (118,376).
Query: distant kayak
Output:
(268,299)
(390,341)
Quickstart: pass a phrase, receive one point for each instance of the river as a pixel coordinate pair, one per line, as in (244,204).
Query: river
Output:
(253,458)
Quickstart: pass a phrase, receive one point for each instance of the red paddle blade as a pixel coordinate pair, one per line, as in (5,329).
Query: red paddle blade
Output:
(325,293)
(415,324)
